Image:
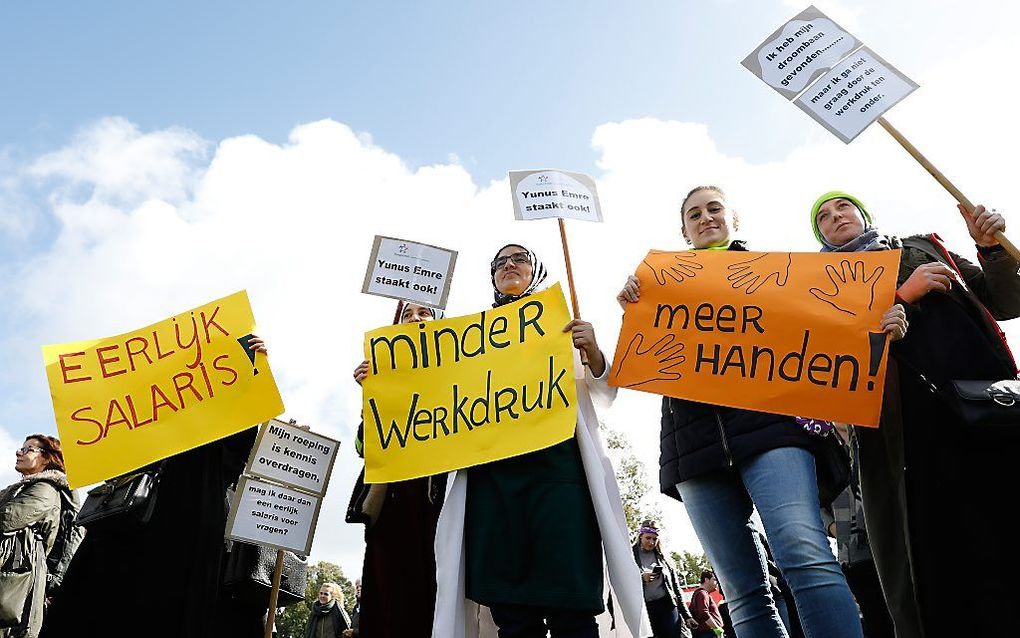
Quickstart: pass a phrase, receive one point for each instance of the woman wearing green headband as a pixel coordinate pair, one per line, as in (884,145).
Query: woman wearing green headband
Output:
(915,467)
(725,462)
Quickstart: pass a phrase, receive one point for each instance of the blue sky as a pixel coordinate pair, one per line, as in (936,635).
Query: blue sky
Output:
(500,86)
(157,155)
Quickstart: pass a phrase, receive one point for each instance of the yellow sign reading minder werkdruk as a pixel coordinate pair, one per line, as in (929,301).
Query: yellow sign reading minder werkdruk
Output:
(445,395)
(126,401)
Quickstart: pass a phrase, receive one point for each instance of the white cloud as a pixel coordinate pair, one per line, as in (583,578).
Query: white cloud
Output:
(8,444)
(151,223)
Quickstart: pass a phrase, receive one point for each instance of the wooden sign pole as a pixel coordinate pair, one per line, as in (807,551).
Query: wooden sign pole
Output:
(274,594)
(570,278)
(942,179)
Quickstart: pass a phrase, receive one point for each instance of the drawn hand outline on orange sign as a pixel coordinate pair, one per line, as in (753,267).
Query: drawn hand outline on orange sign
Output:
(755,273)
(848,277)
(685,268)
(665,354)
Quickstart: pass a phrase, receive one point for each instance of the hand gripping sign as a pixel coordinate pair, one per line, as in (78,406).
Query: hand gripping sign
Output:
(277,500)
(788,333)
(126,401)
(545,193)
(842,85)
(824,69)
(449,394)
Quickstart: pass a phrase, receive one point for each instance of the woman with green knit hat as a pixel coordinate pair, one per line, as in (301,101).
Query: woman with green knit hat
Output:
(929,478)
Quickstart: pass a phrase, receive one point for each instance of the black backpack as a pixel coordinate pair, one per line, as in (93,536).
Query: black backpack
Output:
(69,537)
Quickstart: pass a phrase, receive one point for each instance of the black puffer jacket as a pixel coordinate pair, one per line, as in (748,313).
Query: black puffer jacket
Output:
(697,438)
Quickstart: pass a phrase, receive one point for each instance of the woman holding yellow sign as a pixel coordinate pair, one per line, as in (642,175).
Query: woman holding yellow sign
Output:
(724,462)
(501,518)
(400,529)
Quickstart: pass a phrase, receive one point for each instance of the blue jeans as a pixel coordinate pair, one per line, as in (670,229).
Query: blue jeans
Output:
(781,484)
(663,616)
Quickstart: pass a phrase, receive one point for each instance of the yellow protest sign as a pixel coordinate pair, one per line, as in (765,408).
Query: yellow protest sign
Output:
(787,333)
(123,402)
(449,394)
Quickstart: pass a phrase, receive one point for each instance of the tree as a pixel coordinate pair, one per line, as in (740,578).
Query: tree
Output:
(689,566)
(291,623)
(632,479)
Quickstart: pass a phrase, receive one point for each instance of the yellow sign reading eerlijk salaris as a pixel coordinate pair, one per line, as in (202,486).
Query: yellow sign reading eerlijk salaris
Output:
(445,395)
(124,402)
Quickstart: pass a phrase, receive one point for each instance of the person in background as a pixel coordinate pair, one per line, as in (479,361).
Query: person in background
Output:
(328,619)
(400,530)
(704,608)
(844,521)
(354,631)
(663,596)
(29,526)
(930,473)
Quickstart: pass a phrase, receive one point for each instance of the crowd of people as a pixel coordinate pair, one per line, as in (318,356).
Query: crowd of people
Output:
(531,545)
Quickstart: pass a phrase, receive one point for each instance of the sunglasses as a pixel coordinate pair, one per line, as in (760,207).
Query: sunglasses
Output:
(28,449)
(518,258)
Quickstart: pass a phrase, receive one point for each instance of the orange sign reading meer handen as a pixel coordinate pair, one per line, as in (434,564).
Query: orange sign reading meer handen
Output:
(788,333)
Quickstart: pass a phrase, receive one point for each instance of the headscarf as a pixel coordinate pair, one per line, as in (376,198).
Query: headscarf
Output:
(870,239)
(437,313)
(538,275)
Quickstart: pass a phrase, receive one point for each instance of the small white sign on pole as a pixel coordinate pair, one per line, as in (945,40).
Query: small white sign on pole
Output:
(407,270)
(272,515)
(551,193)
(293,456)
(855,93)
(799,51)
(828,73)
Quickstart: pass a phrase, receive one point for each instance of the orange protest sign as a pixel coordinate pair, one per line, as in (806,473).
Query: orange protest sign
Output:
(788,333)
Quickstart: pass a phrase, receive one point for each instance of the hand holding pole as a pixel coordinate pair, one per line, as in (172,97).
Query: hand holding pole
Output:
(942,179)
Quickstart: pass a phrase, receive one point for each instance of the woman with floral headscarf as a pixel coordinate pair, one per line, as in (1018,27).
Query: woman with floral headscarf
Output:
(525,535)
(929,478)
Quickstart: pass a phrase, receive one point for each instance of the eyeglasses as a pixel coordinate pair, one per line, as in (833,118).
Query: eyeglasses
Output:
(519,258)
(27,449)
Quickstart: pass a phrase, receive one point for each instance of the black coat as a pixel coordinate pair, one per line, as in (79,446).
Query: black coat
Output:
(697,438)
(926,474)
(339,621)
(673,586)
(166,576)
(955,335)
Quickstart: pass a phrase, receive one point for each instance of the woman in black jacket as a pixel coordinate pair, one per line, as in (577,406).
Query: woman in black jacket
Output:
(181,548)
(724,462)
(667,612)
(930,479)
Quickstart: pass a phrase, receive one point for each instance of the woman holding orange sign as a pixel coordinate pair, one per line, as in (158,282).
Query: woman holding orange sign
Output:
(947,410)
(724,462)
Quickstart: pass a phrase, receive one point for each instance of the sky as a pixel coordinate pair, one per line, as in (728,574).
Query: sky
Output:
(155,156)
